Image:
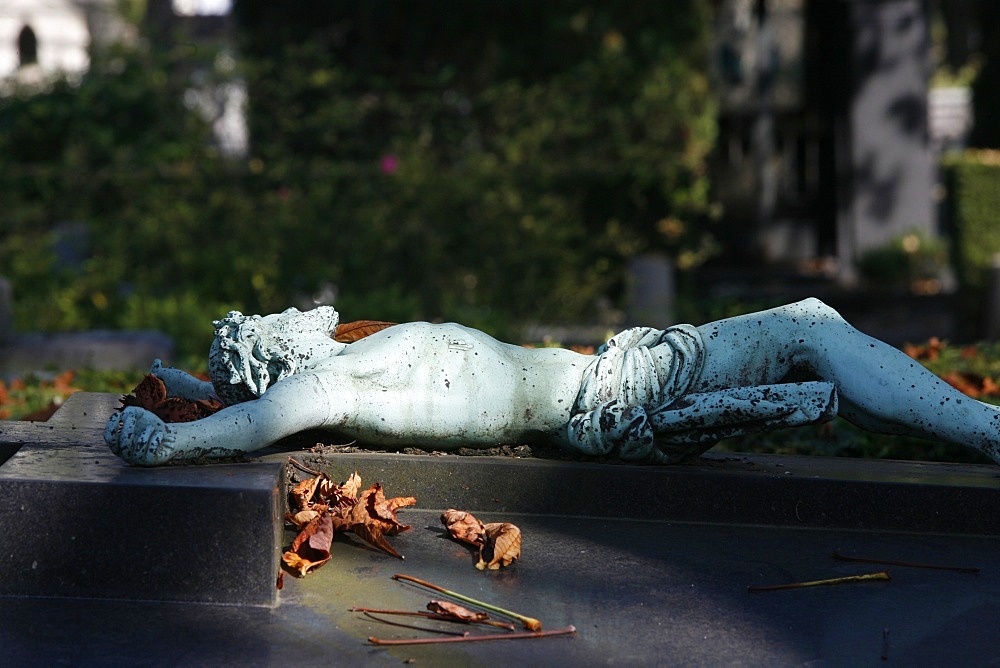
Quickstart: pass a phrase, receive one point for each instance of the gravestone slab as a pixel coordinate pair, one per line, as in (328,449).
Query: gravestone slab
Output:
(27,353)
(76,521)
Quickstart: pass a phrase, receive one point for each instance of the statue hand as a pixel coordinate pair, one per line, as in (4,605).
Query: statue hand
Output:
(139,437)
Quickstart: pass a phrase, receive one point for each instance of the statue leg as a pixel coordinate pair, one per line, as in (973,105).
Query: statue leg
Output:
(880,388)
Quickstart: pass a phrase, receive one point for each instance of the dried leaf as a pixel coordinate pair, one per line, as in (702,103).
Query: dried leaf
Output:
(382,510)
(464,526)
(311,548)
(965,383)
(148,393)
(503,539)
(151,394)
(175,409)
(303,517)
(352,486)
(457,611)
(302,494)
(499,543)
(349,332)
(373,534)
(341,496)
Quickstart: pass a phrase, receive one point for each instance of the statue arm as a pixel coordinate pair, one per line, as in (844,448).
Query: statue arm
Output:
(297,403)
(182,384)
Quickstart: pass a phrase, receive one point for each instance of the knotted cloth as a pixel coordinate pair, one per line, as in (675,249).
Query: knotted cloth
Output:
(635,399)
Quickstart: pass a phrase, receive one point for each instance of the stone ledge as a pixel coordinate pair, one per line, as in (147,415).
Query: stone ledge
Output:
(793,491)
(76,521)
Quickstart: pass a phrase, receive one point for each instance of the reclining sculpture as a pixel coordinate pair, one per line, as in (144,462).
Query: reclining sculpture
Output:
(652,395)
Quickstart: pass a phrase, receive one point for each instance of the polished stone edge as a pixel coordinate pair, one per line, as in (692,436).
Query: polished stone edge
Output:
(198,544)
(793,491)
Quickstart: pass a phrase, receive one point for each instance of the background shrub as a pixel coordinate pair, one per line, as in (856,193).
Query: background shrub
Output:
(491,163)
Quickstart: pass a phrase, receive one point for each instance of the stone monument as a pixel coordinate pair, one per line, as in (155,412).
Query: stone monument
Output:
(646,395)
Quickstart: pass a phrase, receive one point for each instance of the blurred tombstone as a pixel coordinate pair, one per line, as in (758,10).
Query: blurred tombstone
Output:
(991,312)
(71,244)
(651,291)
(889,158)
(5,311)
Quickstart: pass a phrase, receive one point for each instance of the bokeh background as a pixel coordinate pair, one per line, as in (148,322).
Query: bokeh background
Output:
(536,169)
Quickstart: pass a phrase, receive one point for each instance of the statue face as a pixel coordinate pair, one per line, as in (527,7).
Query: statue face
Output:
(251,353)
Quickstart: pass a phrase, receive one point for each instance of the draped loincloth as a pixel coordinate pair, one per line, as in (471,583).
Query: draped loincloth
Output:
(635,398)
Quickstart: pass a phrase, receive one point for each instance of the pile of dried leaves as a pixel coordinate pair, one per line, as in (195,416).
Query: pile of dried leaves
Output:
(319,508)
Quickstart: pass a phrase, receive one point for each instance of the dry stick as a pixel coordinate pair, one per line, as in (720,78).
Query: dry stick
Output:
(885,562)
(302,467)
(495,636)
(414,627)
(436,616)
(529,623)
(881,575)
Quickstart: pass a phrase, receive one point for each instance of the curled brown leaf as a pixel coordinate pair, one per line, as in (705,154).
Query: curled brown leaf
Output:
(349,332)
(456,611)
(464,526)
(498,543)
(311,548)
(504,539)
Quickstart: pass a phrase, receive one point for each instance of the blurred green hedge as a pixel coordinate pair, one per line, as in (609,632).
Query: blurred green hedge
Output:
(973,182)
(503,170)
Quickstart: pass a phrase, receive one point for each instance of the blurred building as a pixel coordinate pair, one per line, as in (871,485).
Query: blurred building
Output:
(44,38)
(825,150)
(40,39)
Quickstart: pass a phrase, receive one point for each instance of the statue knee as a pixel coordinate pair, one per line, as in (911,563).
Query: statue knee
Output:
(815,306)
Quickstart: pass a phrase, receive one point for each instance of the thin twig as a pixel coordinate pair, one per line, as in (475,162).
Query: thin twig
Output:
(414,627)
(437,616)
(569,630)
(302,467)
(908,564)
(529,623)
(881,575)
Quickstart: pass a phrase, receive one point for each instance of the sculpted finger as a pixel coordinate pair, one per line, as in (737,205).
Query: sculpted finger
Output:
(111,433)
(152,436)
(126,436)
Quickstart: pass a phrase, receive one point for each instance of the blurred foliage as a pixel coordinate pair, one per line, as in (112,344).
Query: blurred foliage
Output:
(490,163)
(912,262)
(37,396)
(118,212)
(479,161)
(971,178)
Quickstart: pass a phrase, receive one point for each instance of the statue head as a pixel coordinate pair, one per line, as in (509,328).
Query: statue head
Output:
(252,353)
